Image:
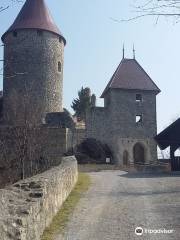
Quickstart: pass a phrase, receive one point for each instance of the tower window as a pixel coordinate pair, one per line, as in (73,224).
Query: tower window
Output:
(138,98)
(59,66)
(60,39)
(15,34)
(39,32)
(139,119)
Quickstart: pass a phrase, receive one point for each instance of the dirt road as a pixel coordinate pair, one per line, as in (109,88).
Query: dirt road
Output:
(117,203)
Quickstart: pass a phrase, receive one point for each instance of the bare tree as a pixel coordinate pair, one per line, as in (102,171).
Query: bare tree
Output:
(158,8)
(2,8)
(22,143)
(154,8)
(6,4)
(27,133)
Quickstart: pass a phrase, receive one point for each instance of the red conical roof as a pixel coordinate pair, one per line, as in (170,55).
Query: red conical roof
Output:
(131,76)
(34,15)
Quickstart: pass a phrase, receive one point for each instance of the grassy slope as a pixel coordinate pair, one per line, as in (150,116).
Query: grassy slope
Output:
(61,219)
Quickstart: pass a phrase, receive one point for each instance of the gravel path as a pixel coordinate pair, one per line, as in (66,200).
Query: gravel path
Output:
(118,202)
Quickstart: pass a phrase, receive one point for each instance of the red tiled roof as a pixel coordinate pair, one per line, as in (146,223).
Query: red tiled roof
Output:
(34,15)
(131,76)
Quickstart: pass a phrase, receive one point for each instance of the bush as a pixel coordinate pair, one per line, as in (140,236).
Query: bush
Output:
(82,158)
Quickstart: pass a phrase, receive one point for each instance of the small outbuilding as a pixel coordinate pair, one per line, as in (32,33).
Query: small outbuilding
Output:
(170,137)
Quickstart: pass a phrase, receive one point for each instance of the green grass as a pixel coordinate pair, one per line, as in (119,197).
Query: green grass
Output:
(61,219)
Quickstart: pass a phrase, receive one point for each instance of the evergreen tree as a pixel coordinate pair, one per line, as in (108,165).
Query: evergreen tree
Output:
(81,104)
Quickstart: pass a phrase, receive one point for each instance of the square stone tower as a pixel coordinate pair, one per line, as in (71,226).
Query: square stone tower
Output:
(127,123)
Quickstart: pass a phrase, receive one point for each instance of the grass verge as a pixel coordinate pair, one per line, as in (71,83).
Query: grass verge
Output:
(61,219)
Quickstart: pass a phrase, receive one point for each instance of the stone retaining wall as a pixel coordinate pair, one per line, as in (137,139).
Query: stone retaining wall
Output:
(28,206)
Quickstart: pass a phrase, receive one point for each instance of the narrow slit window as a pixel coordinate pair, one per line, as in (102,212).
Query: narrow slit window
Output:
(139,119)
(138,98)
(60,39)
(59,66)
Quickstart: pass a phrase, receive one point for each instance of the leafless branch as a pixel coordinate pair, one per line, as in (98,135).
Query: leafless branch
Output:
(3,8)
(154,8)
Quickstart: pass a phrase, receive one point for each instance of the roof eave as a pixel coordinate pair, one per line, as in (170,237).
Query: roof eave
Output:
(128,89)
(163,144)
(19,29)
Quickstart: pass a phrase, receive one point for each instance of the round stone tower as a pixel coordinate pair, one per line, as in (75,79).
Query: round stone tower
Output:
(33,66)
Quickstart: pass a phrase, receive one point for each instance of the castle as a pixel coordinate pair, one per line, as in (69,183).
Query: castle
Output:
(127,122)
(35,130)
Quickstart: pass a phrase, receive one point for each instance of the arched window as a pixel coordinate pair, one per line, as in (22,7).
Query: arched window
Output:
(139,153)
(59,66)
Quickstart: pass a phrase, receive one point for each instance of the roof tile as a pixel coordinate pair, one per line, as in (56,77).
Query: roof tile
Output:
(34,15)
(131,76)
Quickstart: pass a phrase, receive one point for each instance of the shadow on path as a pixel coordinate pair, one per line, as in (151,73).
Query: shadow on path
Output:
(150,175)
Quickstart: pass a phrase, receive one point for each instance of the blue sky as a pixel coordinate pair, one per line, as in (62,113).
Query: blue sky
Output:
(94,48)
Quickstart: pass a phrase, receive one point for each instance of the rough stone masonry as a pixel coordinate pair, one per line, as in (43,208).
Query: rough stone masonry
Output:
(28,207)
(127,122)
(32,95)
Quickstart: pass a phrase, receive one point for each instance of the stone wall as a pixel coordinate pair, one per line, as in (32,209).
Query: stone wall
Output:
(28,207)
(123,109)
(120,145)
(26,152)
(55,142)
(79,135)
(115,124)
(96,123)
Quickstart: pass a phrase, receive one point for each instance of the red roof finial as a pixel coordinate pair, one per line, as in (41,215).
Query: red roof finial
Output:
(34,15)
